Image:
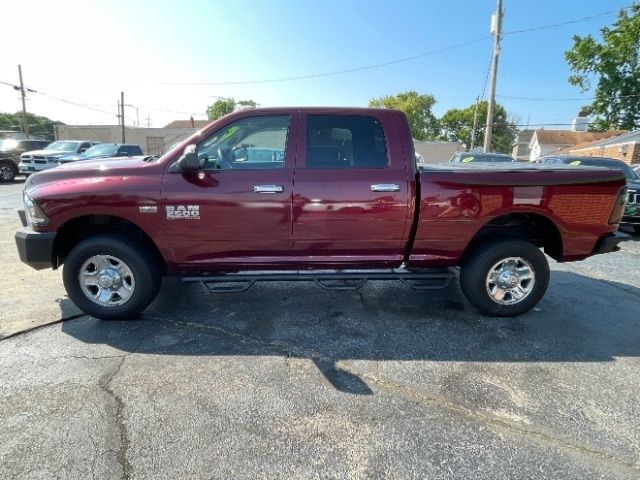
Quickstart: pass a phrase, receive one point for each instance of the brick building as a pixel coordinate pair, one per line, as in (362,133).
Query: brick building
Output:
(625,147)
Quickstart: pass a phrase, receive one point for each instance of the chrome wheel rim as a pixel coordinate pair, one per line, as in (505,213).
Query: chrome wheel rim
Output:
(510,280)
(6,172)
(106,280)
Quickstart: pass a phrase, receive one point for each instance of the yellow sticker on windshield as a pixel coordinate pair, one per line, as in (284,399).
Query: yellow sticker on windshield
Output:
(467,160)
(576,162)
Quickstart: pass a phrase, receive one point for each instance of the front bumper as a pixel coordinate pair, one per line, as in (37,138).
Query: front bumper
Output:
(609,243)
(35,248)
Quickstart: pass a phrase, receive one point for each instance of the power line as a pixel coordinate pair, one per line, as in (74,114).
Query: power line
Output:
(396,61)
(336,72)
(546,99)
(81,105)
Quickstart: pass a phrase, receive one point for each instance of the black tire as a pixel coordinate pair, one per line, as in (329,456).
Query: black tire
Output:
(143,266)
(480,262)
(637,229)
(8,171)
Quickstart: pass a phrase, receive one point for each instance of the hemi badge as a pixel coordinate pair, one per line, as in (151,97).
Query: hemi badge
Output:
(148,209)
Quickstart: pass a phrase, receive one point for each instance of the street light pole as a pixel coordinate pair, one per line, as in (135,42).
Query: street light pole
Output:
(496,29)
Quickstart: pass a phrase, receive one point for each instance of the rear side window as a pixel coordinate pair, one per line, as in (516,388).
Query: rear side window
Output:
(345,141)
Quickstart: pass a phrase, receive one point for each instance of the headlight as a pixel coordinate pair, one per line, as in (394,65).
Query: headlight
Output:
(35,215)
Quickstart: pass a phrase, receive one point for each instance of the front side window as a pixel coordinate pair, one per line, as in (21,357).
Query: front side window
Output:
(345,141)
(247,144)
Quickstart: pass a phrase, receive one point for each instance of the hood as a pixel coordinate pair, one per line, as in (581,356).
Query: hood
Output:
(634,185)
(88,170)
(47,153)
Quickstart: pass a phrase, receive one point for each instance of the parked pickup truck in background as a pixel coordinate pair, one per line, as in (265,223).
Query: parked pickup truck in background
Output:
(10,150)
(38,160)
(323,194)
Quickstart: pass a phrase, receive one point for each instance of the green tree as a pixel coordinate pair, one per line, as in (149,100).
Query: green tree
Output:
(38,126)
(417,108)
(611,64)
(457,125)
(223,106)
(247,104)
(220,108)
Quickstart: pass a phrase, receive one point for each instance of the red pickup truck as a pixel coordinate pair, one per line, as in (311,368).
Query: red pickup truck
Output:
(331,195)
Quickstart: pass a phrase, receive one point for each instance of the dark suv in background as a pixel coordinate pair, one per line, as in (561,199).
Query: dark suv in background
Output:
(632,212)
(10,151)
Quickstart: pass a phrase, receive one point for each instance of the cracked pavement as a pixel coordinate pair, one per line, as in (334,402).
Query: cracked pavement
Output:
(290,381)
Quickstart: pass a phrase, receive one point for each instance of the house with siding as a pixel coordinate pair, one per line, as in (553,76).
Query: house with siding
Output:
(545,142)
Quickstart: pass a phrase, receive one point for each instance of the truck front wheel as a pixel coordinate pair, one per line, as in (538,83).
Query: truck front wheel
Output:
(111,277)
(504,278)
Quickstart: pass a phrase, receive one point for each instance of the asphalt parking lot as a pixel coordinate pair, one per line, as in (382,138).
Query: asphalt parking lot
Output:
(291,381)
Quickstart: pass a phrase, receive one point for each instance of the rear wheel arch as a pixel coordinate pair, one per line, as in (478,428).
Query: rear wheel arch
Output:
(532,227)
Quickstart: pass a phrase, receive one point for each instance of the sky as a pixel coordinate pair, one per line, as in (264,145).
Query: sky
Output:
(173,58)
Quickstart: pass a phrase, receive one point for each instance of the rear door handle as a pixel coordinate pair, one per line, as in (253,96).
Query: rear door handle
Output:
(385,187)
(268,188)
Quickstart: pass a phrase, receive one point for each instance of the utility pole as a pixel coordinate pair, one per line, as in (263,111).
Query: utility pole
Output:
(118,114)
(148,120)
(496,29)
(122,115)
(475,125)
(24,105)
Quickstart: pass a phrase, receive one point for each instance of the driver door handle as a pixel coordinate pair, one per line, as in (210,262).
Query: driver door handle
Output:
(268,188)
(385,187)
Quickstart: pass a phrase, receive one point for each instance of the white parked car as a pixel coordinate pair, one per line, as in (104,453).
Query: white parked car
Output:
(38,160)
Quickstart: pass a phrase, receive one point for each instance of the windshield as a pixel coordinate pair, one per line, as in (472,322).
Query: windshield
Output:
(103,149)
(629,173)
(8,144)
(62,146)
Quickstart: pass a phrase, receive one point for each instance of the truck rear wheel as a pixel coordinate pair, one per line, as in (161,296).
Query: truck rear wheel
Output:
(505,278)
(111,277)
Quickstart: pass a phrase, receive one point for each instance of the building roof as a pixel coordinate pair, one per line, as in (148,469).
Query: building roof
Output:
(188,124)
(525,136)
(580,146)
(569,137)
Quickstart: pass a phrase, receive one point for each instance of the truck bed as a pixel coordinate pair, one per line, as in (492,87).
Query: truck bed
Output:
(458,200)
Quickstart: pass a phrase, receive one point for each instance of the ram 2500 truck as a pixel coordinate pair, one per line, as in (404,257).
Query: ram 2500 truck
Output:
(331,195)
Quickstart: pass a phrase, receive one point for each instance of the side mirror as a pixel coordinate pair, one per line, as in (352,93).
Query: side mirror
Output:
(189,161)
(240,154)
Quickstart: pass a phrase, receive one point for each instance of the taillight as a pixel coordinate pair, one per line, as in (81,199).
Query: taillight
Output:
(618,208)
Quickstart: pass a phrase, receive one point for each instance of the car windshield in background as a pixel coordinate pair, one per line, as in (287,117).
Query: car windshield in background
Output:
(626,169)
(480,157)
(7,144)
(63,146)
(99,150)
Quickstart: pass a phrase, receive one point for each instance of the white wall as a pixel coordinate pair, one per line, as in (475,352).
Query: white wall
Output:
(133,135)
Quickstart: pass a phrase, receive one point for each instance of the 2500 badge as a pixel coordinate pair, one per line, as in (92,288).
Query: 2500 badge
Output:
(183,212)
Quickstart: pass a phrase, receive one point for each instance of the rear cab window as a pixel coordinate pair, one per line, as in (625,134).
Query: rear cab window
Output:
(345,142)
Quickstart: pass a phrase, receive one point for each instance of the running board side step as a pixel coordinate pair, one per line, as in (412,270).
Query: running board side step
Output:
(336,280)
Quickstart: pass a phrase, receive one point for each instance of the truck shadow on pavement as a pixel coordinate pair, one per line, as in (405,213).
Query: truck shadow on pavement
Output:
(579,320)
